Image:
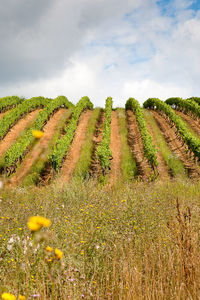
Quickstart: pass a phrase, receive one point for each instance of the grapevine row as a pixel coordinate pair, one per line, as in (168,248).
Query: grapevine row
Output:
(186,105)
(192,142)
(196,99)
(62,146)
(8,102)
(149,148)
(18,112)
(17,150)
(103,151)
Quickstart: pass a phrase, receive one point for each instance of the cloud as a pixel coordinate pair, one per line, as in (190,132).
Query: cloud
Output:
(38,37)
(100,48)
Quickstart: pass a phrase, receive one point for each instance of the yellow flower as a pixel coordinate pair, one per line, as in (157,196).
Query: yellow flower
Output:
(49,249)
(7,296)
(58,253)
(22,297)
(37,222)
(37,134)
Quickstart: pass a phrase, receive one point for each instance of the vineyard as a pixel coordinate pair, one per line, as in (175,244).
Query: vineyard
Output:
(158,141)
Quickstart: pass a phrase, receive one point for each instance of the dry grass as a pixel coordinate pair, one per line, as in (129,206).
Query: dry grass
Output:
(134,241)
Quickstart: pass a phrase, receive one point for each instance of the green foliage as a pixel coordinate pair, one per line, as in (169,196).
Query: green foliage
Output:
(17,150)
(186,105)
(42,161)
(9,101)
(103,151)
(63,144)
(83,165)
(196,99)
(18,112)
(128,163)
(149,148)
(192,142)
(172,161)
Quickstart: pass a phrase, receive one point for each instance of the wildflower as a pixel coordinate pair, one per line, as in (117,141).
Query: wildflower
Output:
(37,134)
(22,297)
(7,296)
(58,253)
(37,222)
(49,249)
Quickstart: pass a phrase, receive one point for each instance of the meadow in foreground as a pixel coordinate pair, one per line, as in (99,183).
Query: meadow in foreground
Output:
(131,241)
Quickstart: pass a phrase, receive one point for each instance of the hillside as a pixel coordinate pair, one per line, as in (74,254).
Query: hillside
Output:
(157,142)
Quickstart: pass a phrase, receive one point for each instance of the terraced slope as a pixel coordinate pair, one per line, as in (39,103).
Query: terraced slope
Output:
(103,144)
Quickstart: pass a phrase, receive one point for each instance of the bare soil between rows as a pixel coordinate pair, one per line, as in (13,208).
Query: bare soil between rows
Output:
(75,149)
(115,146)
(16,130)
(95,168)
(39,149)
(136,146)
(194,124)
(176,144)
(3,114)
(163,169)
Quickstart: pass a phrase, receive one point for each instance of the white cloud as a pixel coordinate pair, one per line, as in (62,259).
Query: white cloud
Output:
(141,55)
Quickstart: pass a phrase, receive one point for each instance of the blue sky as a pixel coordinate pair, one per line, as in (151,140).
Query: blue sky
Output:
(140,48)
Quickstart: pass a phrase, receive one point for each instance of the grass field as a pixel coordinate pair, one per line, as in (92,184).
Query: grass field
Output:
(129,241)
(99,203)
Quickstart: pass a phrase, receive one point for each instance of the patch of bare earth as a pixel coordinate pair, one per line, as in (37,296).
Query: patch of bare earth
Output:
(95,169)
(115,146)
(39,149)
(75,149)
(3,114)
(176,144)
(136,146)
(163,169)
(194,124)
(16,130)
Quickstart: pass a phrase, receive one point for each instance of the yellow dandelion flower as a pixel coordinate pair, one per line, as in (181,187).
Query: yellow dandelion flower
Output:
(7,296)
(49,249)
(37,222)
(58,253)
(22,297)
(37,134)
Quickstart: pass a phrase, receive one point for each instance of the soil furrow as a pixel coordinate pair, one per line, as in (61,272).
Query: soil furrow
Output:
(3,114)
(194,124)
(95,169)
(16,130)
(176,145)
(39,149)
(163,169)
(115,146)
(136,145)
(75,149)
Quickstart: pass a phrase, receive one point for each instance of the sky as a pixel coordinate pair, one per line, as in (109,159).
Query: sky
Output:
(100,48)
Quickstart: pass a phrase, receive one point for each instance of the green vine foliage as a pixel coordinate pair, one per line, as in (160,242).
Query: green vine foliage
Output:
(184,105)
(149,148)
(192,142)
(17,150)
(18,112)
(9,102)
(104,153)
(196,99)
(63,145)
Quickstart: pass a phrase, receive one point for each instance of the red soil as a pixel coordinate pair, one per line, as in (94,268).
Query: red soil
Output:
(39,148)
(115,145)
(176,144)
(16,130)
(136,145)
(75,149)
